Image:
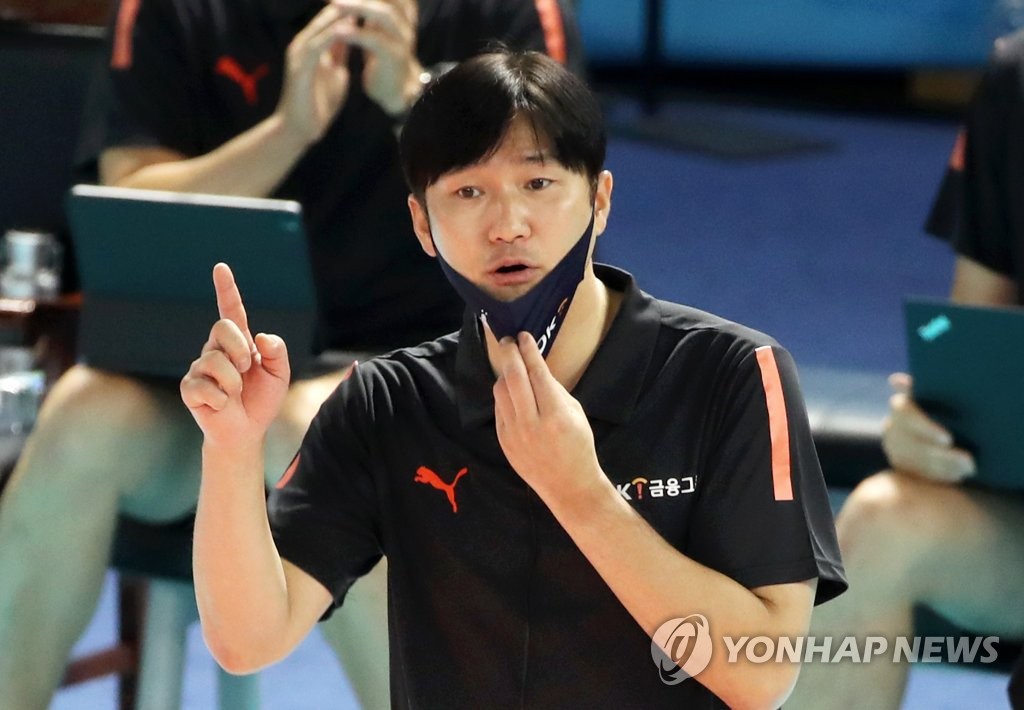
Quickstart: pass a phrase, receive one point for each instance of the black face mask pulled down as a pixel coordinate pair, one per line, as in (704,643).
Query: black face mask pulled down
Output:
(541,311)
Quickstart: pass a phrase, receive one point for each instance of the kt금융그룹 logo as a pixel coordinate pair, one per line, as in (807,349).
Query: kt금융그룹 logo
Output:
(640,488)
(681,648)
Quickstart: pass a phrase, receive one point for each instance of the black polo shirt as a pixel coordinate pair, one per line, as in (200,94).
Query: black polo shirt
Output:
(979,209)
(491,604)
(192,74)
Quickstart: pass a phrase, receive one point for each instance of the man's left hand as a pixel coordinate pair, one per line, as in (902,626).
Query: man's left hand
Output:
(387,34)
(542,429)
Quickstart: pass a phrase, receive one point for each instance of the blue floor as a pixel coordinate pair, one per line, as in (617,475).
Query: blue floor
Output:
(816,248)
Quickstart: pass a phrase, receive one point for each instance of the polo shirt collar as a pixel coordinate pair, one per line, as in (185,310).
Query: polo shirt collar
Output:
(610,387)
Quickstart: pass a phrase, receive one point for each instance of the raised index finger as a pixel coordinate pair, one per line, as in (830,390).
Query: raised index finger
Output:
(229,301)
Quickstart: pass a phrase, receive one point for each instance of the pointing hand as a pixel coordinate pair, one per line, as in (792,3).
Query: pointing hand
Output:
(235,388)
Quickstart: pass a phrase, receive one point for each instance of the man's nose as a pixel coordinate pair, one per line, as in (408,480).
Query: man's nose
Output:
(508,220)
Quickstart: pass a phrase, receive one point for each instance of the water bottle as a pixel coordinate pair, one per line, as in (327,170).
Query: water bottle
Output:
(31,265)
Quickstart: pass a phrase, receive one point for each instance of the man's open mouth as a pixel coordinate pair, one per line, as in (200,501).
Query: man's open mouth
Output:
(510,268)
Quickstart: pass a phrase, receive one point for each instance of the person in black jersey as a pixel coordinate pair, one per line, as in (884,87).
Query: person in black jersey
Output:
(572,477)
(920,533)
(296,99)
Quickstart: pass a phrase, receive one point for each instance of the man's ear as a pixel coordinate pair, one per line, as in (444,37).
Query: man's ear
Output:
(602,201)
(421,225)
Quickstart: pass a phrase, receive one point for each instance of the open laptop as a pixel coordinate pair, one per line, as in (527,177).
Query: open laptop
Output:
(145,260)
(968,368)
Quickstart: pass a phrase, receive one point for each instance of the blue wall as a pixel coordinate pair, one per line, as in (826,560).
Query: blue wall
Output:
(831,33)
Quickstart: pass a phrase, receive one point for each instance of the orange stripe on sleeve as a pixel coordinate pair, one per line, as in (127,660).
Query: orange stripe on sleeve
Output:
(122,55)
(287,476)
(956,158)
(554,31)
(778,423)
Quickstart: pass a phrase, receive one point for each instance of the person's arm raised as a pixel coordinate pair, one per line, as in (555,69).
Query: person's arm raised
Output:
(254,606)
(253,163)
(387,36)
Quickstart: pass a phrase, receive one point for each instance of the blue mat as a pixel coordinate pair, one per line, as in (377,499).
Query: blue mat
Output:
(817,248)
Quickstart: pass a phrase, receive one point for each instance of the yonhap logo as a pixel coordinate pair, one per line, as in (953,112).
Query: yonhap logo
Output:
(681,648)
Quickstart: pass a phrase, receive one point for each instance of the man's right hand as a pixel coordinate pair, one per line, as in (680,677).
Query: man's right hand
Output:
(317,78)
(237,385)
(916,444)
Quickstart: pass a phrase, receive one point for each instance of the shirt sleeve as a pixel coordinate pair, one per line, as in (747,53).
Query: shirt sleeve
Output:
(972,208)
(763,516)
(323,511)
(143,93)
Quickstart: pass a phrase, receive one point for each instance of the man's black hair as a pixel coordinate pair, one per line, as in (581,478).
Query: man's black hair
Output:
(462,117)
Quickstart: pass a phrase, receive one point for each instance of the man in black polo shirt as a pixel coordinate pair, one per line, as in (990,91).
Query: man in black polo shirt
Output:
(536,539)
(915,534)
(294,99)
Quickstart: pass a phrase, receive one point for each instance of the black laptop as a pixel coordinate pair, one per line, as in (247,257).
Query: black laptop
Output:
(145,260)
(968,368)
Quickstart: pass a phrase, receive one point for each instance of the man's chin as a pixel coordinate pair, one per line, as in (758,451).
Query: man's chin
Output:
(507,294)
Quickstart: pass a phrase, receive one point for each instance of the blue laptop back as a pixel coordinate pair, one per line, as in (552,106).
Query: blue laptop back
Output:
(145,260)
(968,368)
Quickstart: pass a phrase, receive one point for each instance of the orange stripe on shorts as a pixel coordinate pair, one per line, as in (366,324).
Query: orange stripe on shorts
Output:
(554,31)
(778,423)
(122,55)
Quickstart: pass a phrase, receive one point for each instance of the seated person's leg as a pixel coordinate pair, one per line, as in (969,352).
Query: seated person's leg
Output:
(907,541)
(102,443)
(358,632)
(106,444)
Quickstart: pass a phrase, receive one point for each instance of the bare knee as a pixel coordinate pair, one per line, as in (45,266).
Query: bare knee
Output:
(890,521)
(104,430)
(93,400)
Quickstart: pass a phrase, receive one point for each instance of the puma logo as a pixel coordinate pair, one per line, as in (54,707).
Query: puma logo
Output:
(229,67)
(425,475)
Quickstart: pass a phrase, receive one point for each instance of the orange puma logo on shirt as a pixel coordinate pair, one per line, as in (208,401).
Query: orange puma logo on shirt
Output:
(425,475)
(229,67)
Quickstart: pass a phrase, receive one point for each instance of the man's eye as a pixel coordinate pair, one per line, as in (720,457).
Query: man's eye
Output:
(467,192)
(539,183)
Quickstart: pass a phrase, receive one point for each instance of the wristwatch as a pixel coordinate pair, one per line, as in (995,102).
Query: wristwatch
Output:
(426,77)
(435,71)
